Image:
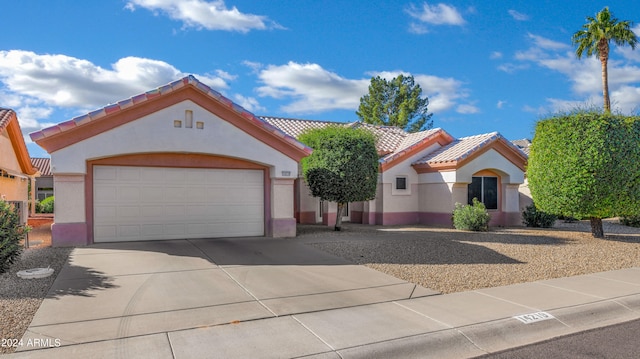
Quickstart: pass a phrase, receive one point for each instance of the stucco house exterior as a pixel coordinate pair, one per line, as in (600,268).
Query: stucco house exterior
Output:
(183,161)
(180,161)
(16,170)
(422,175)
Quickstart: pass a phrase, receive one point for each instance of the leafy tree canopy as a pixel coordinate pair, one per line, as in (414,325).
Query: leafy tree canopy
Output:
(343,167)
(586,165)
(397,102)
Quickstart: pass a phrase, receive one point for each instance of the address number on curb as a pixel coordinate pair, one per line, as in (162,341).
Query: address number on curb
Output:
(534,317)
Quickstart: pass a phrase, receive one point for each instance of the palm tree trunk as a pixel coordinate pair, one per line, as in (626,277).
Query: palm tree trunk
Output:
(604,59)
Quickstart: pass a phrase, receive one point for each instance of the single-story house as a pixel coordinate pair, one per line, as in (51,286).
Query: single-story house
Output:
(16,170)
(422,175)
(44,183)
(183,161)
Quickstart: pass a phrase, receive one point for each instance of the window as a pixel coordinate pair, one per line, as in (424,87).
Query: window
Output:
(401,182)
(485,189)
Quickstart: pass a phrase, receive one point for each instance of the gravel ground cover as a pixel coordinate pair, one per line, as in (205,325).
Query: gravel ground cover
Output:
(448,261)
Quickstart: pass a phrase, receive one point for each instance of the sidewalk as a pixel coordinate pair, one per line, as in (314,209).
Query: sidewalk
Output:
(458,325)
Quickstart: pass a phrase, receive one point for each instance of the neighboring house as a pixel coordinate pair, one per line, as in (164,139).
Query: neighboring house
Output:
(16,170)
(182,161)
(422,176)
(44,183)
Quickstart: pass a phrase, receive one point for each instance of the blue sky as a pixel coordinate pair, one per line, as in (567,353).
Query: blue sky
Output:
(484,65)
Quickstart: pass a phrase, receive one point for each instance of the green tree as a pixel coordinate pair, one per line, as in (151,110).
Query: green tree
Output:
(398,102)
(594,38)
(586,165)
(343,167)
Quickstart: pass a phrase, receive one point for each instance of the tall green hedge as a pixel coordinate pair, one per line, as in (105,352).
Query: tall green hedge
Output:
(586,165)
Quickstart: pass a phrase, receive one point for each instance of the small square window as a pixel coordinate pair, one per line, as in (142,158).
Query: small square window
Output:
(177,123)
(199,125)
(401,182)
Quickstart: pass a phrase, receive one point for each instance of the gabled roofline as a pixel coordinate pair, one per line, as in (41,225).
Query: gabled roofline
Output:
(187,88)
(440,136)
(499,144)
(17,142)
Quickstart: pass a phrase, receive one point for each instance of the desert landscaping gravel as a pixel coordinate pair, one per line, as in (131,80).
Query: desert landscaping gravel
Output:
(442,259)
(20,298)
(448,261)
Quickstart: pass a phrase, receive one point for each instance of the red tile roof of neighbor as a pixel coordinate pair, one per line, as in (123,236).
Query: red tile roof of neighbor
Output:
(42,164)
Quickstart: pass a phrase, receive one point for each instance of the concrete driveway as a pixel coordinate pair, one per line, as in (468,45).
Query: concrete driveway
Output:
(131,290)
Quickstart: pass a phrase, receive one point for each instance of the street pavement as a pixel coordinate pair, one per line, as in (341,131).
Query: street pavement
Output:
(278,298)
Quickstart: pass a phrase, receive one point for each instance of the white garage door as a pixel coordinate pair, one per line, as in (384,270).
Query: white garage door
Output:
(150,203)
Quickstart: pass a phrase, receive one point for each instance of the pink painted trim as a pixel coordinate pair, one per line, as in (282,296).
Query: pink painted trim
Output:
(307,217)
(394,218)
(283,227)
(436,219)
(356,216)
(69,234)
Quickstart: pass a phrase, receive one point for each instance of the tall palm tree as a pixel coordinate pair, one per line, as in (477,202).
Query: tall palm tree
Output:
(594,38)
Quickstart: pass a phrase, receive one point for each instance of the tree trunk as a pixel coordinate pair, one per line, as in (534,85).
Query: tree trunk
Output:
(604,59)
(339,217)
(596,227)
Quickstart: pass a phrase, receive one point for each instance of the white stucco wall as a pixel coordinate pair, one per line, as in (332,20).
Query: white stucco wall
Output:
(69,193)
(491,160)
(156,133)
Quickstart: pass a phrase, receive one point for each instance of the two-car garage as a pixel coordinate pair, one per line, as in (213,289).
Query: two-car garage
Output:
(151,203)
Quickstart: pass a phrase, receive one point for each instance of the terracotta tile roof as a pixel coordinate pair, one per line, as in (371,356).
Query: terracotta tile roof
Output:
(160,91)
(410,141)
(460,148)
(294,127)
(524,145)
(42,164)
(5,116)
(391,140)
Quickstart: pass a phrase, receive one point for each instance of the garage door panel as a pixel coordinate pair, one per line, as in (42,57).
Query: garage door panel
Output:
(149,203)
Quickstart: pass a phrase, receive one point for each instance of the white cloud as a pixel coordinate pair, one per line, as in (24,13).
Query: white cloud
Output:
(512,68)
(500,104)
(467,109)
(248,103)
(495,55)
(518,15)
(440,14)
(64,81)
(547,44)
(310,88)
(210,15)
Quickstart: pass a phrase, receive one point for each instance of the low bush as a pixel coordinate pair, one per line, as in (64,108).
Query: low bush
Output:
(11,232)
(471,217)
(46,205)
(532,217)
(631,221)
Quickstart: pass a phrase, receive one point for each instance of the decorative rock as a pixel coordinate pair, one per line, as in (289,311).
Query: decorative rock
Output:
(35,273)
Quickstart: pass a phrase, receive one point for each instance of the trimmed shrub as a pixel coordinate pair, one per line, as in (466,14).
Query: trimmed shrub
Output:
(471,217)
(11,232)
(532,217)
(631,221)
(46,205)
